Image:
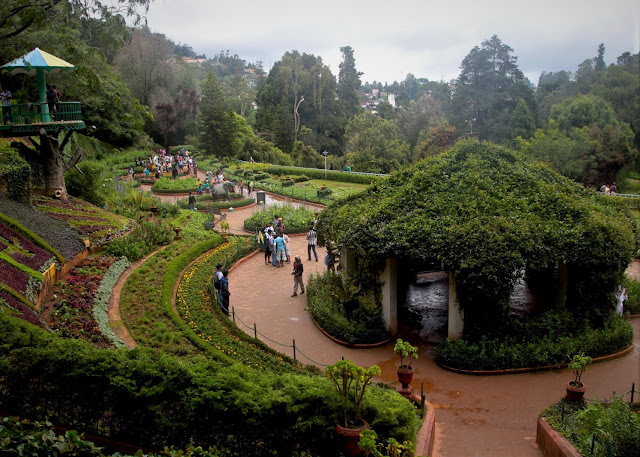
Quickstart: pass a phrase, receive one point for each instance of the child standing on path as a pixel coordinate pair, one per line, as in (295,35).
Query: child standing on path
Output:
(297,276)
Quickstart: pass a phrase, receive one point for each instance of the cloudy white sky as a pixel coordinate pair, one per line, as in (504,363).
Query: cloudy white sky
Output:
(393,38)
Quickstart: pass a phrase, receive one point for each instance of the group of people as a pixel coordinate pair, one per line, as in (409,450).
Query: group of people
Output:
(53,95)
(609,189)
(160,162)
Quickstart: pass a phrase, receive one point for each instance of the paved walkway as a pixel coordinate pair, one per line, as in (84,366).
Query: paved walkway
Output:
(476,416)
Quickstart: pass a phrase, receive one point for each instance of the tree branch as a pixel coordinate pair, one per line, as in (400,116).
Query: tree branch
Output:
(73,161)
(66,139)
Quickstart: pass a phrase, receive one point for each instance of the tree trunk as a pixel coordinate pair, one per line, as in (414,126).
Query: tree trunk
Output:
(54,166)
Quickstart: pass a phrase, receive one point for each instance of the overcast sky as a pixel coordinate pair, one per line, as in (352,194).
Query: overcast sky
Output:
(393,38)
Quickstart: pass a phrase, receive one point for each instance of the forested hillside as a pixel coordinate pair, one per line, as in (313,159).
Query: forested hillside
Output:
(139,88)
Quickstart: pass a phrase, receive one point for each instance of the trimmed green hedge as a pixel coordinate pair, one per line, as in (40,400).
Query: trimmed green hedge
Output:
(205,202)
(359,327)
(168,185)
(296,220)
(147,397)
(314,173)
(537,347)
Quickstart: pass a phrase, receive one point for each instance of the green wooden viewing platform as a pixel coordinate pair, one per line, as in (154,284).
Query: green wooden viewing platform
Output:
(28,118)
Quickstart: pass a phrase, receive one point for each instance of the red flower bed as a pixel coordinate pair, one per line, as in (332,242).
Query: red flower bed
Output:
(23,311)
(14,278)
(69,310)
(36,257)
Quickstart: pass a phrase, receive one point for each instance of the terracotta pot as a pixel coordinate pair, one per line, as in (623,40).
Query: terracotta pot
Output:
(575,393)
(405,376)
(351,437)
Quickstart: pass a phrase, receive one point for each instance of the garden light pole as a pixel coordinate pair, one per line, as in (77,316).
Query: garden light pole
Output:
(325,154)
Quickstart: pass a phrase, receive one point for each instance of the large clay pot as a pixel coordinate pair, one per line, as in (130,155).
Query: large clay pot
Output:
(575,393)
(405,376)
(351,437)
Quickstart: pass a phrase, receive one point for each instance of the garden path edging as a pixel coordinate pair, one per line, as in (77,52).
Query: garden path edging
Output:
(533,369)
(552,443)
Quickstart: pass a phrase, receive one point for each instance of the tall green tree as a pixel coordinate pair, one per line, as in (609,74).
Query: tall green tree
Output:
(145,64)
(522,122)
(373,145)
(487,91)
(300,91)
(420,115)
(215,124)
(349,82)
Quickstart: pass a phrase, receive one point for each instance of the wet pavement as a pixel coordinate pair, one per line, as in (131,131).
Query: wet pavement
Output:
(476,416)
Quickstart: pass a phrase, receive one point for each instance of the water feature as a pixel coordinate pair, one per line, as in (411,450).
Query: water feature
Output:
(425,312)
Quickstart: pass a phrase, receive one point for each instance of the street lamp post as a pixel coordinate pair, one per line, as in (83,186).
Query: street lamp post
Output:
(325,154)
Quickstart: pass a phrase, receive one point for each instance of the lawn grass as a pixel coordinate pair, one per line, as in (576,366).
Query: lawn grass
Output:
(141,305)
(631,186)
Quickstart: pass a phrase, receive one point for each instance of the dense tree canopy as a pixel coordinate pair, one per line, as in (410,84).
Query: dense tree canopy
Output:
(488,215)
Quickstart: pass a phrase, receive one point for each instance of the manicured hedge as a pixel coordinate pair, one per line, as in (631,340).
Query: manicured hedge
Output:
(150,398)
(314,173)
(521,350)
(205,202)
(296,220)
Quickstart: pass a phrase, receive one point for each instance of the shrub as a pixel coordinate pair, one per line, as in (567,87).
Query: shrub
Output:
(296,220)
(168,185)
(86,183)
(324,193)
(138,243)
(288,183)
(154,399)
(613,424)
(535,342)
(352,323)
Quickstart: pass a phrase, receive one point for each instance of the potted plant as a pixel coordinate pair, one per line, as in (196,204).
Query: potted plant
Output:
(578,365)
(224,227)
(405,350)
(351,382)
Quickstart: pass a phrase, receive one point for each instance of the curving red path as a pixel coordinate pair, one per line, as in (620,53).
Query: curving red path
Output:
(476,416)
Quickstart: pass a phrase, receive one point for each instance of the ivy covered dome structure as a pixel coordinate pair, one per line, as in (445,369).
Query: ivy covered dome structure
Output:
(489,216)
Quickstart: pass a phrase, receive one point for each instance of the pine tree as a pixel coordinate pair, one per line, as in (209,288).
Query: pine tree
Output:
(215,126)
(349,81)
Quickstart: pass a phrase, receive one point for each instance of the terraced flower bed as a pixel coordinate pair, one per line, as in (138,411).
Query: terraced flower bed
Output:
(19,308)
(90,220)
(58,234)
(198,310)
(69,311)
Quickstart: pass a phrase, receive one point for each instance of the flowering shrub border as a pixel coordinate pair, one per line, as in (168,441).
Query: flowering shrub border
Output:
(196,306)
(103,295)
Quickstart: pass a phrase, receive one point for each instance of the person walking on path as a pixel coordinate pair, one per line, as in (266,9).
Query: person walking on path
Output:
(266,235)
(298,269)
(272,248)
(312,238)
(217,276)
(280,258)
(192,201)
(287,250)
(224,288)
